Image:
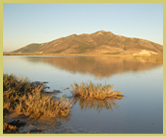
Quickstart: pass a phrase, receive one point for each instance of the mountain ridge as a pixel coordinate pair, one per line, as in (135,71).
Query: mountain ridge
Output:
(100,42)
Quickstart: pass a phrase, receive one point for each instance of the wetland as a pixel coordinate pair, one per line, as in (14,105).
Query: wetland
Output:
(139,110)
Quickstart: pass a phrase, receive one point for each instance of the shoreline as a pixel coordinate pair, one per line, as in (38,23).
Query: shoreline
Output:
(151,58)
(88,54)
(27,119)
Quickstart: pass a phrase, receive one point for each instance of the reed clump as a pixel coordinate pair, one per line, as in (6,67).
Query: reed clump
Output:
(90,91)
(28,98)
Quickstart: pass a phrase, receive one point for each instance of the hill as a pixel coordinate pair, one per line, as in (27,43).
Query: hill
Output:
(100,42)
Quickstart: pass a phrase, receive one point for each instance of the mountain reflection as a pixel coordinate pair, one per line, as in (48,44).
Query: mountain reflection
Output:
(99,66)
(95,104)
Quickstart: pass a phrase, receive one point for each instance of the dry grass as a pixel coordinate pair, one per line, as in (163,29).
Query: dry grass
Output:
(90,91)
(28,98)
(9,128)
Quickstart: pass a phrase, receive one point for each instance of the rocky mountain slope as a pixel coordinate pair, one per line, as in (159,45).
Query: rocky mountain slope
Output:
(100,42)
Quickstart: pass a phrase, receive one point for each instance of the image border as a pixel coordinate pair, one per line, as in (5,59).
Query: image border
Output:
(85,1)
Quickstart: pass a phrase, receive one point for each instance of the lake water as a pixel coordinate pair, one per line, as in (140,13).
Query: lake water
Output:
(140,111)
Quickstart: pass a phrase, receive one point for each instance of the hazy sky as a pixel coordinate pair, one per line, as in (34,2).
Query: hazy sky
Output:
(26,23)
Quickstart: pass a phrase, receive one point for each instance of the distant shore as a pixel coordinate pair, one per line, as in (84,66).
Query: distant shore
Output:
(56,54)
(154,58)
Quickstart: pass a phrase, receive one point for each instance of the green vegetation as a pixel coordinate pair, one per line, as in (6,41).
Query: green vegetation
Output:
(29,99)
(95,92)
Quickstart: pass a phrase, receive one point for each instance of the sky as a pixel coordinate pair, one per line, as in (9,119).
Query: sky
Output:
(26,23)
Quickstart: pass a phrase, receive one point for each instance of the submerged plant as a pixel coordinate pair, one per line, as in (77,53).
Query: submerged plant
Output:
(90,91)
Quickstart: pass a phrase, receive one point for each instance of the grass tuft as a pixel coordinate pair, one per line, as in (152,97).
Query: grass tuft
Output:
(90,91)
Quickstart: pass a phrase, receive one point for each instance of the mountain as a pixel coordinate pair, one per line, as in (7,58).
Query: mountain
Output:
(100,42)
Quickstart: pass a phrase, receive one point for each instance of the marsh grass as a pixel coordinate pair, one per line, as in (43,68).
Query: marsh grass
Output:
(9,128)
(90,91)
(28,98)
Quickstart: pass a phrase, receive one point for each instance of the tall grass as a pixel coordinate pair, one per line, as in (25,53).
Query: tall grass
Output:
(29,99)
(90,91)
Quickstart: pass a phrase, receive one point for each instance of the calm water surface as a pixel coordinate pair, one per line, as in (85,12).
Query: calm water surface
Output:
(140,111)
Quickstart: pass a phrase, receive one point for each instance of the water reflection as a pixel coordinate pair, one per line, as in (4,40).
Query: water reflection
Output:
(98,105)
(47,123)
(99,66)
